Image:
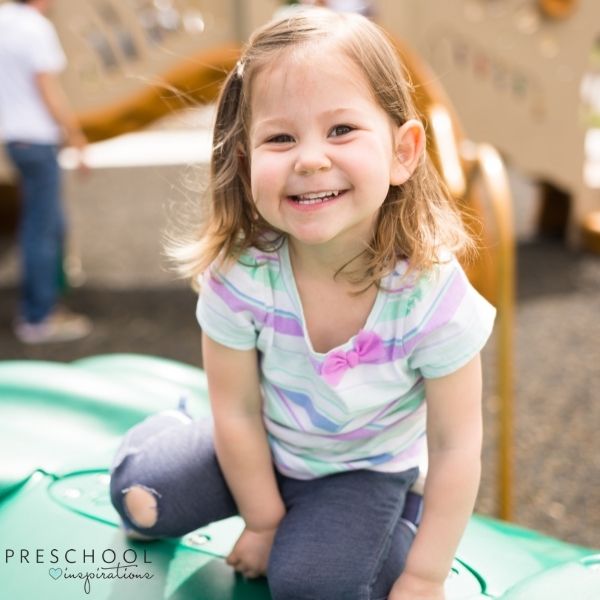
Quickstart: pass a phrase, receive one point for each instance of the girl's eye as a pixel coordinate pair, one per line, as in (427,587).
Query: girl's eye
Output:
(282,138)
(339,130)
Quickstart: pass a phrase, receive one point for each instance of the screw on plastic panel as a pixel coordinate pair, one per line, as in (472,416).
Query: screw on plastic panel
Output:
(72,493)
(198,539)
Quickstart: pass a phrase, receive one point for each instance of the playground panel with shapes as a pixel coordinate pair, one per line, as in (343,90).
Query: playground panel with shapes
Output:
(515,71)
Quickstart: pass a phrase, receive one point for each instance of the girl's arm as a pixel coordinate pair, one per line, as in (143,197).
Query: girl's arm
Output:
(454,433)
(240,438)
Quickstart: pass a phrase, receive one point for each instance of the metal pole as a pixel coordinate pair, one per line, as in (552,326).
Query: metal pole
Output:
(493,170)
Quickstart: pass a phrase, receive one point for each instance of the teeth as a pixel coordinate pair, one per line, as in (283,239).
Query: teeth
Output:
(315,197)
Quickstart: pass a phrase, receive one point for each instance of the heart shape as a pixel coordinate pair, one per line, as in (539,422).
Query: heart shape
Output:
(55,573)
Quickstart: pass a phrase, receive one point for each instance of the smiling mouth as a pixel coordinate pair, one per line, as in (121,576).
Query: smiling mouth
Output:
(317,197)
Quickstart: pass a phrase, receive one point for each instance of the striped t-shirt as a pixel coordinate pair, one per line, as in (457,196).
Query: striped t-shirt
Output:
(361,405)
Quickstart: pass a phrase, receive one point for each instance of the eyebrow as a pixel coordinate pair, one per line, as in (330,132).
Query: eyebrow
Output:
(274,121)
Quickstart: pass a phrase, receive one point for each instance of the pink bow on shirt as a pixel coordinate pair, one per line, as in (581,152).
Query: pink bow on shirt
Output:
(368,348)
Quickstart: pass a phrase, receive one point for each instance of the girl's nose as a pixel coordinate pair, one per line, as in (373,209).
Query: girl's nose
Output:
(311,159)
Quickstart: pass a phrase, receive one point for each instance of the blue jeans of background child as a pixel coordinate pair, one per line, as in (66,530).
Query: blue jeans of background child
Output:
(342,538)
(42,227)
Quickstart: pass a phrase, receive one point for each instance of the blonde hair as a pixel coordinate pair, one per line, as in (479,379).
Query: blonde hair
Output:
(416,220)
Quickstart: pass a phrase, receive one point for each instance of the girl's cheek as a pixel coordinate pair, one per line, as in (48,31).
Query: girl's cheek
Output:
(268,170)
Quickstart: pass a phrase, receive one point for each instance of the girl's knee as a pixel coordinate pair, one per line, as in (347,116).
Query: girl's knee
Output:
(141,506)
(136,504)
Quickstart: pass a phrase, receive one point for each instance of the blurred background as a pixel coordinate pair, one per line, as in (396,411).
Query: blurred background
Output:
(522,76)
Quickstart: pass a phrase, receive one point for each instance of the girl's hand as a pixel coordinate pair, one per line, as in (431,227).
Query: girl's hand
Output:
(250,555)
(412,587)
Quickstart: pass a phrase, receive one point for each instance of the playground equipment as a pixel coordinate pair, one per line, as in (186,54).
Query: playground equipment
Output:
(523,76)
(59,427)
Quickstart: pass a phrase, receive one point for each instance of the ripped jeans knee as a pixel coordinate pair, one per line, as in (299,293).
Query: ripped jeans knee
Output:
(141,505)
(166,480)
(132,486)
(136,503)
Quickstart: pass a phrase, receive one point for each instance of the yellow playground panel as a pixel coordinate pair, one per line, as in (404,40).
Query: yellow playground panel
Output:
(523,76)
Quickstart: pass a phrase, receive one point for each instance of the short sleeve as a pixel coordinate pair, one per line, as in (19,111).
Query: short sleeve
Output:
(226,310)
(449,324)
(47,55)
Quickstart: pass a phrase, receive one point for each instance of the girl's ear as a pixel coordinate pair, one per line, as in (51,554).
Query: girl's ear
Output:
(409,145)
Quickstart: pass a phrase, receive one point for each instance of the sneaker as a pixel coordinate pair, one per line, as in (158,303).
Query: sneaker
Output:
(60,326)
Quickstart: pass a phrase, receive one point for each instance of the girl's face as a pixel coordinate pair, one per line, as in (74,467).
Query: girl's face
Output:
(322,150)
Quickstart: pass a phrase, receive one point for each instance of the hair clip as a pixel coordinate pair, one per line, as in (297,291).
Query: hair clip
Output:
(239,68)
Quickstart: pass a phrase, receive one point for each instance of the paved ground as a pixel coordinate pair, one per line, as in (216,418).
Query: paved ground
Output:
(557,381)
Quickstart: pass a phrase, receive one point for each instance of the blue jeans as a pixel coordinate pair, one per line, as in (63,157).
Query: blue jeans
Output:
(343,536)
(42,227)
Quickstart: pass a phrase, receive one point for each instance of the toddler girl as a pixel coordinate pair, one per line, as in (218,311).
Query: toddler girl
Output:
(341,337)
